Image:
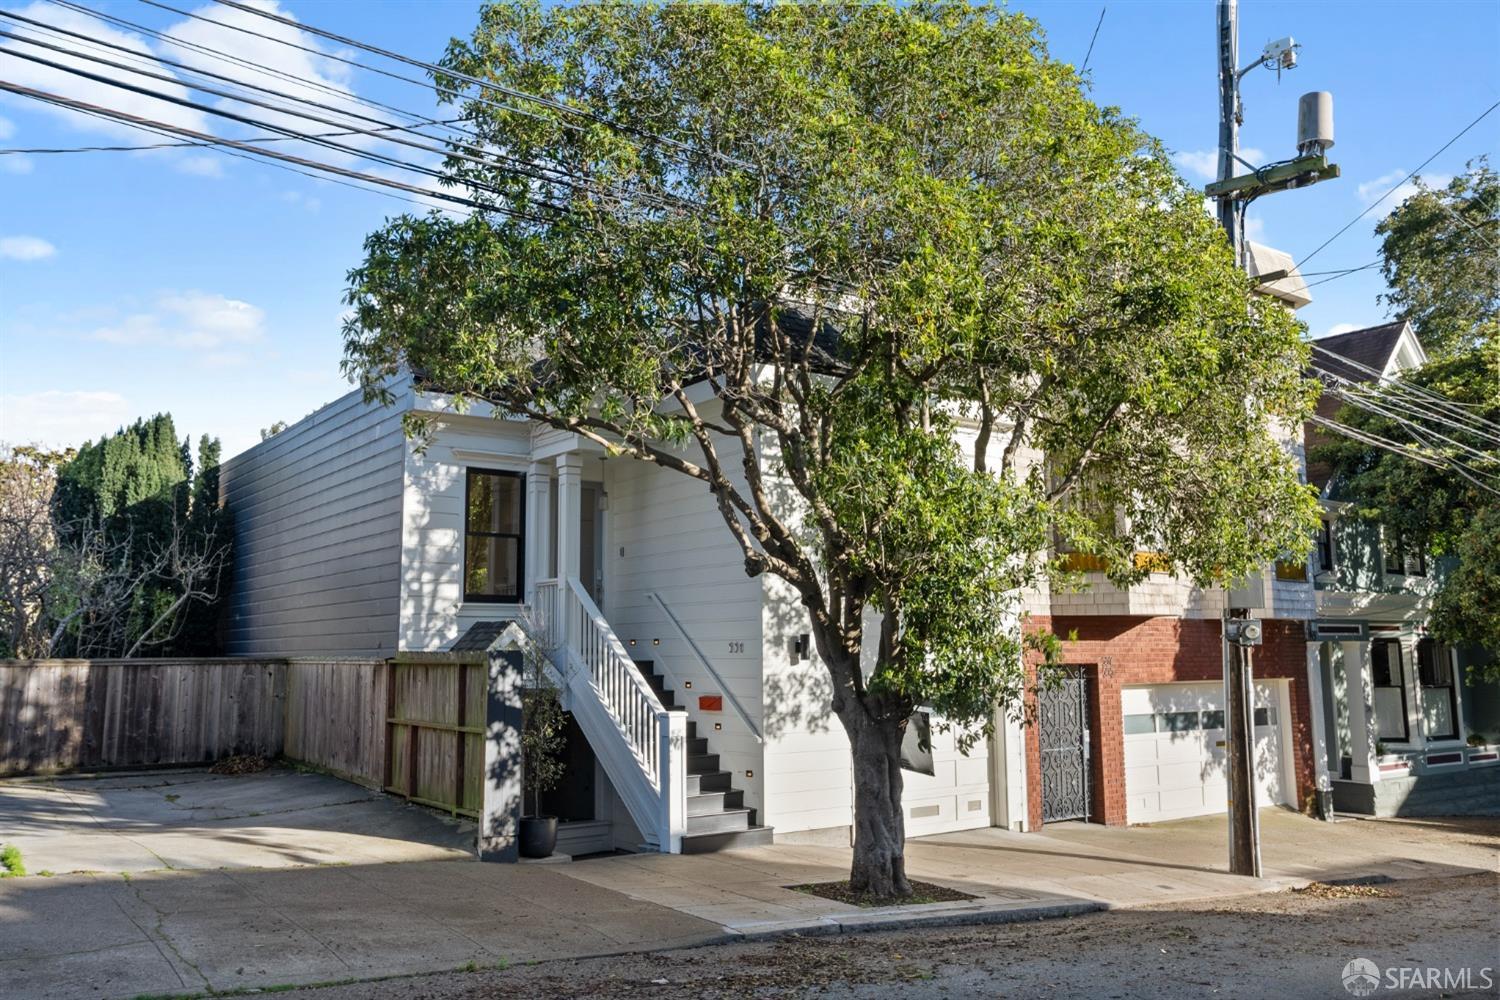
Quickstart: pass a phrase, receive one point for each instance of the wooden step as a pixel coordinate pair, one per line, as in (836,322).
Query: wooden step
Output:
(714,781)
(702,763)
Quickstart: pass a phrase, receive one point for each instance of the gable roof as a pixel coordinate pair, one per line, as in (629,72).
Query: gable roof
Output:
(1372,347)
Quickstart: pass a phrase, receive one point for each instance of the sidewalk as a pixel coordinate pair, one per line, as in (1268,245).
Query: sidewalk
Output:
(1069,868)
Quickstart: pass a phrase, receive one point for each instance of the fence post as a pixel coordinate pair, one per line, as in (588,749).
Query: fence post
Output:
(671,763)
(500,807)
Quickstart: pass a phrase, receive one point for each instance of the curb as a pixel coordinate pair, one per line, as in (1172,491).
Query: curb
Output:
(862,923)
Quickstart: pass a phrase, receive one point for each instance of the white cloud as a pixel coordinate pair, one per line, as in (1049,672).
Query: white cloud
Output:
(305,200)
(1255,229)
(191,321)
(322,74)
(57,417)
(26,248)
(1204,163)
(1338,328)
(65,84)
(12,164)
(1370,191)
(7,127)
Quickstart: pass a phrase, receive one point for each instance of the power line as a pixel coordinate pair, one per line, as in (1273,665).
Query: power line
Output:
(172,145)
(474,153)
(384,126)
(154,125)
(1420,393)
(1397,448)
(1371,207)
(1097,25)
(259,123)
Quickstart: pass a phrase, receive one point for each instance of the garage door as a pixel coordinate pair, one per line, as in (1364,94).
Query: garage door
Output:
(1174,757)
(956,796)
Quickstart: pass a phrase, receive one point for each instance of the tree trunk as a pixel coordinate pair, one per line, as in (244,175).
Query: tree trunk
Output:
(879,866)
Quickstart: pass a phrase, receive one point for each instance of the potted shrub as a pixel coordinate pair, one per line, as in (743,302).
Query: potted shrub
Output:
(543,736)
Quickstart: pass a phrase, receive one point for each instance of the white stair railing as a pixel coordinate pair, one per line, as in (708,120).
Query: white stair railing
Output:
(641,745)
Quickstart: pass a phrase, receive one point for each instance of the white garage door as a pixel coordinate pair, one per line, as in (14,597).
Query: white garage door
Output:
(955,797)
(1174,757)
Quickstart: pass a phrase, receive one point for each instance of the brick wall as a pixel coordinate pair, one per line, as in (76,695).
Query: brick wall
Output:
(1117,651)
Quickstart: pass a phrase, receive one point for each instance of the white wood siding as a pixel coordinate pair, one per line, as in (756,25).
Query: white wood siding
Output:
(317,533)
(430,533)
(664,534)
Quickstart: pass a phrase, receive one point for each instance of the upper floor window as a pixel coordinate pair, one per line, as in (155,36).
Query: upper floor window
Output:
(493,518)
(1325,545)
(1401,557)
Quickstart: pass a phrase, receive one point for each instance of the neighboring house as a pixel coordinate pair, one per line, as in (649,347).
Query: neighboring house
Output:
(1398,714)
(352,539)
(1136,734)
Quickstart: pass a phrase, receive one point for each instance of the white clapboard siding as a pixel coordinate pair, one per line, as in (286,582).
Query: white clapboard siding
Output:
(663,534)
(317,533)
(433,611)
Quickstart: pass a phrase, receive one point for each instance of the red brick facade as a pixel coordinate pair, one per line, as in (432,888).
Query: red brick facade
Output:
(1120,650)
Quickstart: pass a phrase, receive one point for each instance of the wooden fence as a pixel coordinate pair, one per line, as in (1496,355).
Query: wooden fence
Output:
(435,707)
(64,715)
(398,724)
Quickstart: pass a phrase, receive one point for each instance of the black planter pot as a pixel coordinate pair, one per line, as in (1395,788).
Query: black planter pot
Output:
(538,836)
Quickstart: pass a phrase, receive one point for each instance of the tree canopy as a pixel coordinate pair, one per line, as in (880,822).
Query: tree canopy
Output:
(1439,253)
(798,253)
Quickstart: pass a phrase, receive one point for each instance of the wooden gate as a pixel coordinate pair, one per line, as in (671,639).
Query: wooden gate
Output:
(434,746)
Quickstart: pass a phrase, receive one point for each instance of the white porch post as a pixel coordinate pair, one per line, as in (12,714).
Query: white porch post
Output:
(569,511)
(1360,694)
(538,544)
(1316,712)
(1411,690)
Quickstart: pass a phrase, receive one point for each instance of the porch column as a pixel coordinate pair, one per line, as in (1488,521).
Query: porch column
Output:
(1411,690)
(1316,709)
(569,513)
(538,539)
(1362,732)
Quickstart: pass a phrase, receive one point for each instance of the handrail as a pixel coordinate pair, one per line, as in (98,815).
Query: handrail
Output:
(734,702)
(615,678)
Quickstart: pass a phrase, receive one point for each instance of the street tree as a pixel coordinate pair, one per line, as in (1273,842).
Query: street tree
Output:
(791,252)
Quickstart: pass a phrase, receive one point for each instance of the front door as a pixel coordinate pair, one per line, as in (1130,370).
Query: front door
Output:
(1063,734)
(591,541)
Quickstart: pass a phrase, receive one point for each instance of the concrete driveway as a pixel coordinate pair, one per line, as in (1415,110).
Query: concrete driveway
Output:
(186,820)
(188,883)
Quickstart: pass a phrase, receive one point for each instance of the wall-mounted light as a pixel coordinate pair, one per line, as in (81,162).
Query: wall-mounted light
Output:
(718,726)
(687,684)
(656,642)
(800,646)
(632,642)
(749,773)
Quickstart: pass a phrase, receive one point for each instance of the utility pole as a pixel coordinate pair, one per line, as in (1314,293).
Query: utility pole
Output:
(1234,193)
(1229,118)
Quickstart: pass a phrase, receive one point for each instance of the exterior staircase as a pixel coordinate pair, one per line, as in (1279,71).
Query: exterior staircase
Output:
(716,815)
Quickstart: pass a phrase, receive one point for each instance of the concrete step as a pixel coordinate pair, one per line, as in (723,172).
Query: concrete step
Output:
(702,843)
(715,781)
(727,821)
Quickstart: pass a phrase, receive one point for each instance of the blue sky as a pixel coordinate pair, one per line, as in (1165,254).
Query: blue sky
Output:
(209,286)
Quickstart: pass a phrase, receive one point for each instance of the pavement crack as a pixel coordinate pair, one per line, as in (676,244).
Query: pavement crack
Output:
(158,937)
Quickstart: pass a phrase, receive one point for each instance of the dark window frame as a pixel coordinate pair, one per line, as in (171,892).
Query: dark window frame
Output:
(519,535)
(1399,670)
(1438,658)
(1326,555)
(1401,559)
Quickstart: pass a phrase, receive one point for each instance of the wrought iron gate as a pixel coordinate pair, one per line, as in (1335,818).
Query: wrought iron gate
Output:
(1063,734)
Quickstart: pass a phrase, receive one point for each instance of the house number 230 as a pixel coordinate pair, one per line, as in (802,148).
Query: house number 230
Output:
(736,647)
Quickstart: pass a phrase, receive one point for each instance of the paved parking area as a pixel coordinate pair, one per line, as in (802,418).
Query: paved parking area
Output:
(186,820)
